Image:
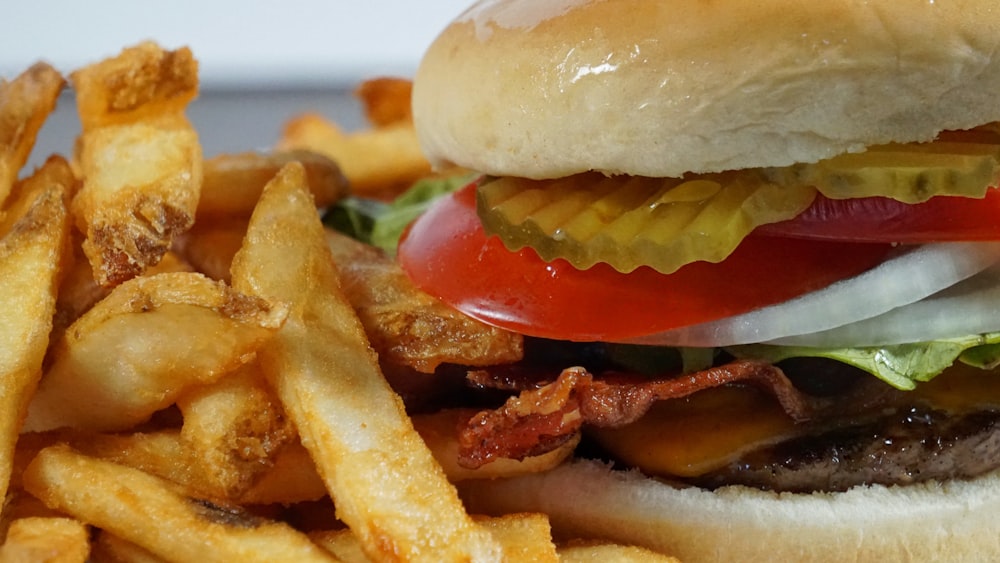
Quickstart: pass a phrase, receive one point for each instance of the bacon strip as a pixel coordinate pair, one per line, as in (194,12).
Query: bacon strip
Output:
(538,420)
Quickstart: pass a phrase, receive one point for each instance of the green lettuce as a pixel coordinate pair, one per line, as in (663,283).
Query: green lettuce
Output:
(381,223)
(902,365)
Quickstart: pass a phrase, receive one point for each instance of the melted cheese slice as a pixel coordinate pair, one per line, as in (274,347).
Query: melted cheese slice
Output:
(710,429)
(690,436)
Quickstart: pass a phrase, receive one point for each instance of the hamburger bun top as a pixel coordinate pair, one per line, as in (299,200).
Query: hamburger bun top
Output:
(545,89)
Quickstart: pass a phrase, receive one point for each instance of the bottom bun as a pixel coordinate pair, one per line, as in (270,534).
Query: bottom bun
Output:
(954,521)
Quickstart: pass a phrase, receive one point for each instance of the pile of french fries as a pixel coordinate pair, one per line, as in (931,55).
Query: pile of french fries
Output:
(192,366)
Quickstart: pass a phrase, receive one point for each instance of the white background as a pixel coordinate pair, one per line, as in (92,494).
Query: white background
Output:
(284,43)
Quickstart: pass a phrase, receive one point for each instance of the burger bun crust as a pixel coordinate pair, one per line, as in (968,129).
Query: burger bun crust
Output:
(545,89)
(931,521)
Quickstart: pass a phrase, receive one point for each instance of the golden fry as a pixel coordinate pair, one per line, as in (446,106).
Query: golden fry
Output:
(109,548)
(20,505)
(25,103)
(160,453)
(384,481)
(78,291)
(233,182)
(373,160)
(34,234)
(139,156)
(407,326)
(46,540)
(234,428)
(288,478)
(343,544)
(149,512)
(211,245)
(597,552)
(524,537)
(291,478)
(140,82)
(386,100)
(103,373)
(141,186)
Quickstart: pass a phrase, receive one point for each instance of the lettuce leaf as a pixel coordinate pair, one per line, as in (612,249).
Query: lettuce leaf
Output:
(902,365)
(381,224)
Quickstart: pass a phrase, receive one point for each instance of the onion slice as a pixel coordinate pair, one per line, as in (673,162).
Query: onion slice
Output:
(912,275)
(971,306)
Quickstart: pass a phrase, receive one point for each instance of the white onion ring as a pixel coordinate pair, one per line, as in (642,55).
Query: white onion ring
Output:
(901,280)
(971,306)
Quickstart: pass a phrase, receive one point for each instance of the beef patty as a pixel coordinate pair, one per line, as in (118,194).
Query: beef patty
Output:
(907,446)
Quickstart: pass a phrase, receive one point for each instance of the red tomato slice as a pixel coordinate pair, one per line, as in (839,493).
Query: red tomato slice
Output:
(881,219)
(447,254)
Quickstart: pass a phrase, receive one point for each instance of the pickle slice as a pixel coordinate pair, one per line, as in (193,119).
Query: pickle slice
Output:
(630,221)
(967,164)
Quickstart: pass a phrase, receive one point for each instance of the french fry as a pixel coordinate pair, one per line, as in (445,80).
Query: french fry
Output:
(102,375)
(386,100)
(373,160)
(151,513)
(109,548)
(161,453)
(382,478)
(232,182)
(140,82)
(408,326)
(20,504)
(597,552)
(28,446)
(78,291)
(46,540)
(524,537)
(25,103)
(139,157)
(234,428)
(34,235)
(211,245)
(342,544)
(291,478)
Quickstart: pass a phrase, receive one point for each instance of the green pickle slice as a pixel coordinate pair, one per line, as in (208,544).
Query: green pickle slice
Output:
(631,221)
(909,173)
(665,223)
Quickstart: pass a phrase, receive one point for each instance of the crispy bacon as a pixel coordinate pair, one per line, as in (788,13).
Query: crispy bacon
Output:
(510,377)
(538,420)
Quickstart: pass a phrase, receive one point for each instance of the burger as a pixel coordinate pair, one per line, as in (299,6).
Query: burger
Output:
(754,251)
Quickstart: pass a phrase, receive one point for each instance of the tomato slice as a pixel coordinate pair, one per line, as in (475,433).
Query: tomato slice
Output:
(447,254)
(881,219)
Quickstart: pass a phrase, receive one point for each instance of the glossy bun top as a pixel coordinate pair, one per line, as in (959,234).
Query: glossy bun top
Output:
(541,89)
